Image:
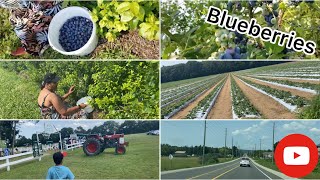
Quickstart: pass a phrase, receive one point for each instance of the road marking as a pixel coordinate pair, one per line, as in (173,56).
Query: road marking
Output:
(225,172)
(211,171)
(261,171)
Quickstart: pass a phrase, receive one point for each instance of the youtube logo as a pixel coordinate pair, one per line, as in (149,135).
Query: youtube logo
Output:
(296,155)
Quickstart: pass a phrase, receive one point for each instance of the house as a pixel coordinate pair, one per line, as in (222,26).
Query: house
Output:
(267,155)
(180,154)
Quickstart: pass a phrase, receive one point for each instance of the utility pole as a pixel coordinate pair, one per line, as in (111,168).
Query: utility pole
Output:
(204,141)
(255,149)
(273,141)
(225,144)
(232,147)
(260,150)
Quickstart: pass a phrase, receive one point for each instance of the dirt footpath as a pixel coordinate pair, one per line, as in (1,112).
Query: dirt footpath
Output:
(222,109)
(268,107)
(185,111)
(294,80)
(292,91)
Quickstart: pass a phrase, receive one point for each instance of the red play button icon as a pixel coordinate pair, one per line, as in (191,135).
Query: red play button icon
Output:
(296,155)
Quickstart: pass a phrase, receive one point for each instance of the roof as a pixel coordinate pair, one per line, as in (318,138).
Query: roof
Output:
(180,152)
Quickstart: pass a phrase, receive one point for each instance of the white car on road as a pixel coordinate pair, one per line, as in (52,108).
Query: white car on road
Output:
(245,162)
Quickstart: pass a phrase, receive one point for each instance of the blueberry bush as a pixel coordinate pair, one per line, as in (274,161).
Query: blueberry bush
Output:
(186,35)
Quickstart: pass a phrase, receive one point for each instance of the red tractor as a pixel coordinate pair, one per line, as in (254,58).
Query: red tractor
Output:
(96,144)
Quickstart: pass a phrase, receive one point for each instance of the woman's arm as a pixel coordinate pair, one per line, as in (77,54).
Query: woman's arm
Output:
(62,109)
(71,90)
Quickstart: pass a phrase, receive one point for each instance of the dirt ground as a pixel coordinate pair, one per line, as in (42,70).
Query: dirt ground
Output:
(292,91)
(131,42)
(294,80)
(222,108)
(268,107)
(185,111)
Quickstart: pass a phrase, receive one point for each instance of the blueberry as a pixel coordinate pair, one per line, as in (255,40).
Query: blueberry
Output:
(237,56)
(237,50)
(227,56)
(75,33)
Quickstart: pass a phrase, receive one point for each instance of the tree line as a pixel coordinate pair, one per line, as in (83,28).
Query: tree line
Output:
(193,69)
(218,152)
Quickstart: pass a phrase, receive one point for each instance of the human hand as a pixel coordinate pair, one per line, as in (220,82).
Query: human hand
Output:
(71,89)
(82,105)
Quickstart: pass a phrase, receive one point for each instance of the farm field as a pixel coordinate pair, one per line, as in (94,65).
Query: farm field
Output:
(283,91)
(141,161)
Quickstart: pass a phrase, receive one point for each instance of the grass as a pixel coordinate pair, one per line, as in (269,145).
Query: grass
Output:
(268,163)
(18,97)
(141,161)
(183,162)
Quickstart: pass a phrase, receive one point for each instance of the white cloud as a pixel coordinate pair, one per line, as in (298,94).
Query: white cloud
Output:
(295,126)
(315,130)
(264,122)
(29,124)
(250,130)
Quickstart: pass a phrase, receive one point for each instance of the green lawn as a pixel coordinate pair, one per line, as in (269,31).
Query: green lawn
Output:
(141,161)
(183,162)
(18,97)
(268,163)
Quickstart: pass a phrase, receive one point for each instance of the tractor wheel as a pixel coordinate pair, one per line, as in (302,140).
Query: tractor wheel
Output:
(102,149)
(92,147)
(120,150)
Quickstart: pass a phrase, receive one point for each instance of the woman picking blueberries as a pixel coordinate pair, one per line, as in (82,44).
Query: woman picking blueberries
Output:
(53,106)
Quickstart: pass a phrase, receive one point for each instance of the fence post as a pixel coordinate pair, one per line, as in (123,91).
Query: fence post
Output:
(8,163)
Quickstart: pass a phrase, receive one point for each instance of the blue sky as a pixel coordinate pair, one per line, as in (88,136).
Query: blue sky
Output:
(244,133)
(30,127)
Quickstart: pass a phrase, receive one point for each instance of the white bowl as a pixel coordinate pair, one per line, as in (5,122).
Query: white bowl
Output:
(56,24)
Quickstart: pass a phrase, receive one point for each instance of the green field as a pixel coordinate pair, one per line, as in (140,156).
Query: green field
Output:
(268,163)
(174,84)
(18,97)
(183,162)
(280,67)
(141,161)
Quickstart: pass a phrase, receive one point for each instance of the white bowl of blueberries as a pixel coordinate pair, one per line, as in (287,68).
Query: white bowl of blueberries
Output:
(73,32)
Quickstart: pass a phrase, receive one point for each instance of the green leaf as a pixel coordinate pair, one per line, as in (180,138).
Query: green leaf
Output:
(123,7)
(135,8)
(127,16)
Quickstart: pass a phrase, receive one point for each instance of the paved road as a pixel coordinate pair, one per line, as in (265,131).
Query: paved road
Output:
(230,170)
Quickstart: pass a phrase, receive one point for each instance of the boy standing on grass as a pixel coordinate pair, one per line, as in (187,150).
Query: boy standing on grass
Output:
(59,171)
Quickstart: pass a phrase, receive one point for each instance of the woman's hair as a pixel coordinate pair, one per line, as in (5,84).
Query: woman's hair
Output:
(42,85)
